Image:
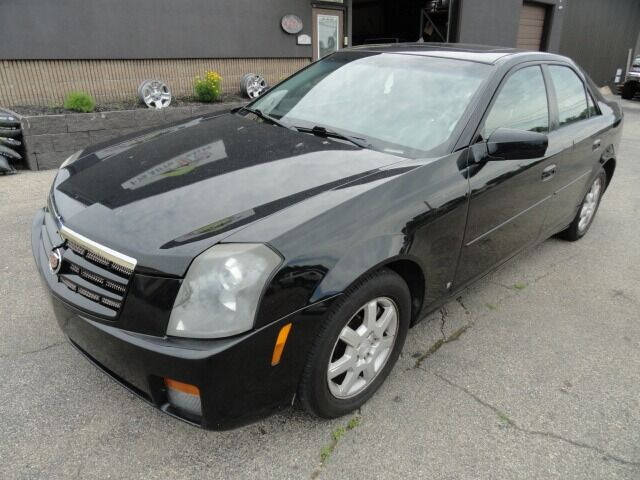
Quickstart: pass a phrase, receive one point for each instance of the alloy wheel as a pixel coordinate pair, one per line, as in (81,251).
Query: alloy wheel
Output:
(154,94)
(590,204)
(363,348)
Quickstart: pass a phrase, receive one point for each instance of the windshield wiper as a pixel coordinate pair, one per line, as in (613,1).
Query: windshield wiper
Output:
(323,132)
(264,116)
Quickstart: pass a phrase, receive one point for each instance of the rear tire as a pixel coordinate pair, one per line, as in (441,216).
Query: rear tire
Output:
(629,91)
(367,355)
(588,209)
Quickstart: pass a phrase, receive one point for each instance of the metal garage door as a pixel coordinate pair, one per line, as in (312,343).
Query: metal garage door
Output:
(531,26)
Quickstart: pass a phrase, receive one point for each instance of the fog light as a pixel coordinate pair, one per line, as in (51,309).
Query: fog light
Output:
(184,397)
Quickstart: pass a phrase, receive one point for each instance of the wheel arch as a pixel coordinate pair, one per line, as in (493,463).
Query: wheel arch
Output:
(609,166)
(413,275)
(370,256)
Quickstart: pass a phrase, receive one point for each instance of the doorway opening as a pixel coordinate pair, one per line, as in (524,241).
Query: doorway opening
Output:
(532,27)
(397,21)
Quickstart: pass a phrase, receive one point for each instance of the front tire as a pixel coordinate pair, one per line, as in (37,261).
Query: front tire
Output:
(588,209)
(358,345)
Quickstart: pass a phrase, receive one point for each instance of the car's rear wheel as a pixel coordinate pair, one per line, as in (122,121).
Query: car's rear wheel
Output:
(588,208)
(358,345)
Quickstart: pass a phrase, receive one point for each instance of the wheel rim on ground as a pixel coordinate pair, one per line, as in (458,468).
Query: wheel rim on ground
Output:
(155,94)
(256,86)
(244,82)
(363,348)
(589,205)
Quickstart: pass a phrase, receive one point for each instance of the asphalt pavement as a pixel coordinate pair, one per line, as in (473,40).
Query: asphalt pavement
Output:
(533,373)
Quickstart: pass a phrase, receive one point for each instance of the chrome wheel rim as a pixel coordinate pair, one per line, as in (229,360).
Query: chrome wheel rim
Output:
(589,205)
(155,94)
(255,86)
(363,348)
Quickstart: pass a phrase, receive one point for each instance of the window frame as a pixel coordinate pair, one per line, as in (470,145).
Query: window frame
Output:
(477,136)
(553,96)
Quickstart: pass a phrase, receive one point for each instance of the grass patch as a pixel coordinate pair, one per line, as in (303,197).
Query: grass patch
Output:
(504,417)
(353,423)
(326,452)
(79,102)
(336,435)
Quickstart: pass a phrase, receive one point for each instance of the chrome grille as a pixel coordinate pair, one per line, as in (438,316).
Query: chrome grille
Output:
(89,294)
(118,287)
(97,259)
(95,272)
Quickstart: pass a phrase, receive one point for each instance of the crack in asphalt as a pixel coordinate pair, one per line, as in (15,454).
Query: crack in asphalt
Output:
(464,307)
(47,347)
(336,436)
(539,433)
(442,341)
(443,319)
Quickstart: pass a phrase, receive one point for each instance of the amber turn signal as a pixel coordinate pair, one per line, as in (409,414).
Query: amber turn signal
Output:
(280,342)
(182,387)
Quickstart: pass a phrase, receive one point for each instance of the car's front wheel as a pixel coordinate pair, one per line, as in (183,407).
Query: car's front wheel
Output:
(357,346)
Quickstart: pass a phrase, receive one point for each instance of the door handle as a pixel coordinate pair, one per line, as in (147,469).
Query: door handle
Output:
(548,173)
(596,145)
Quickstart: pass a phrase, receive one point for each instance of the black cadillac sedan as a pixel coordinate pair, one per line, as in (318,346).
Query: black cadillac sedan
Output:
(224,266)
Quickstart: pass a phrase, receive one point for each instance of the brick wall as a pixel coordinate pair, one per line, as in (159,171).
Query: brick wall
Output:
(46,82)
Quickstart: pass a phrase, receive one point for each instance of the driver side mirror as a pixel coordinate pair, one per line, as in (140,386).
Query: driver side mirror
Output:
(510,144)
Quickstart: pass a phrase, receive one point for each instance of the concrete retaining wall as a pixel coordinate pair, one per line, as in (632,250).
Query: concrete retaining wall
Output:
(50,139)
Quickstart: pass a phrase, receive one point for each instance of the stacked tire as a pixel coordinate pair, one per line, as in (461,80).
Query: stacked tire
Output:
(629,90)
(10,142)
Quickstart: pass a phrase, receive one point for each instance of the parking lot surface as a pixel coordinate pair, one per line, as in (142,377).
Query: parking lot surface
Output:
(534,372)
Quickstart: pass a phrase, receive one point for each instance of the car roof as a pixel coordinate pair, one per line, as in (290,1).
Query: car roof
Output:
(459,51)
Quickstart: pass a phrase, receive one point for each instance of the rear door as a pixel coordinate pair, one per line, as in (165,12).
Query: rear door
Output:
(508,197)
(579,124)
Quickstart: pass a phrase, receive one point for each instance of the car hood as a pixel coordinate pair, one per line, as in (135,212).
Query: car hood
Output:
(166,195)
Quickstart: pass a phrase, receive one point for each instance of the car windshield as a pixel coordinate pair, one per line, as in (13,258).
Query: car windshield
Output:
(402,104)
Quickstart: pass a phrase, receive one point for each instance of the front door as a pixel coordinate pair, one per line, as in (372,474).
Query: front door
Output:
(327,31)
(508,197)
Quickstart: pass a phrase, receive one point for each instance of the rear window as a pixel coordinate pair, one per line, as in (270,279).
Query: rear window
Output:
(572,99)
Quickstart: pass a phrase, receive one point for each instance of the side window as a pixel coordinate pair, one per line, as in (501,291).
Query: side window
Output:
(572,100)
(593,111)
(521,104)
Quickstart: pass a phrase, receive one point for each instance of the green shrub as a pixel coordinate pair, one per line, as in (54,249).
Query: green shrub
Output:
(208,88)
(79,102)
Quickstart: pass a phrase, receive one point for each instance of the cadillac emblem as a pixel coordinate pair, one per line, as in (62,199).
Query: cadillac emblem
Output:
(55,261)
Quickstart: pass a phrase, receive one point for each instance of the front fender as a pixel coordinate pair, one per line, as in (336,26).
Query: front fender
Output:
(360,259)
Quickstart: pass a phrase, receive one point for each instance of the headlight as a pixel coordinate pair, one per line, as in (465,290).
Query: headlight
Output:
(219,296)
(71,159)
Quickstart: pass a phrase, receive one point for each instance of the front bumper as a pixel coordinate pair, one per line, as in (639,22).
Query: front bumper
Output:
(235,377)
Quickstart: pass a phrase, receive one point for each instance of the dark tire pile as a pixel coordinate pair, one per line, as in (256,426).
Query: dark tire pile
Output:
(10,142)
